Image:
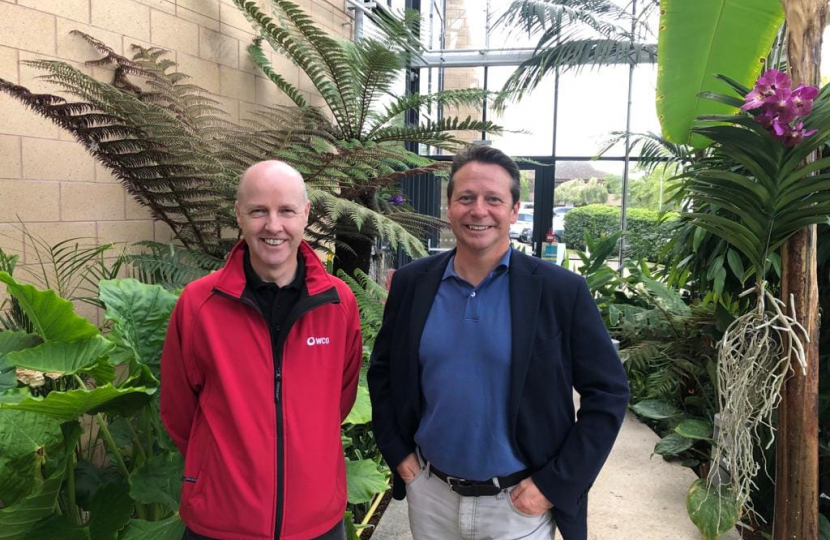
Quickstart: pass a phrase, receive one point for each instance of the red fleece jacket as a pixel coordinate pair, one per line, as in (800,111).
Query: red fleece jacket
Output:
(259,424)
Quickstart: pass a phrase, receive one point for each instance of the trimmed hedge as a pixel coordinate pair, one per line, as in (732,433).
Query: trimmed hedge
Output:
(645,237)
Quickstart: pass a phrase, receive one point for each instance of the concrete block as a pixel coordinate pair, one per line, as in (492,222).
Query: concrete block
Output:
(203,72)
(27,29)
(133,210)
(167,6)
(232,16)
(18,120)
(77,10)
(124,17)
(238,84)
(124,234)
(244,36)
(47,235)
(103,174)
(30,76)
(23,200)
(9,156)
(56,160)
(208,8)
(321,13)
(305,83)
(170,32)
(72,47)
(82,201)
(218,48)
(230,106)
(198,18)
(267,93)
(163,232)
(11,239)
(8,64)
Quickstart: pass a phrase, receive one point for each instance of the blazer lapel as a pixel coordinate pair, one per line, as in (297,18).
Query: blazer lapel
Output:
(525,296)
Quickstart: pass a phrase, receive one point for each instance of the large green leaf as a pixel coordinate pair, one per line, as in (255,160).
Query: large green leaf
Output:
(60,357)
(17,520)
(89,479)
(171,528)
(703,38)
(53,317)
(693,428)
(110,511)
(140,314)
(26,440)
(655,409)
(364,480)
(10,342)
(672,444)
(16,341)
(361,412)
(72,404)
(158,480)
(712,512)
(823,527)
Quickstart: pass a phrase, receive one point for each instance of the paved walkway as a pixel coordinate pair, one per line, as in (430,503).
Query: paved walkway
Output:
(636,497)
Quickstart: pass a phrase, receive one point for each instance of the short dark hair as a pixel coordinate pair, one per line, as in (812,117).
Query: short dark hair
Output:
(486,154)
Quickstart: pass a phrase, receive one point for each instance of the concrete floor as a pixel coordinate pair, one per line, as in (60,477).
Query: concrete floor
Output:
(635,497)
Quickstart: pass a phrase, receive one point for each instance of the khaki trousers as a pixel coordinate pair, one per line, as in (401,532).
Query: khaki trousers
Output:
(438,513)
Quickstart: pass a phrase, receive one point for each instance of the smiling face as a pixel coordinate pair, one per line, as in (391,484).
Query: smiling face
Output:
(481,209)
(272,211)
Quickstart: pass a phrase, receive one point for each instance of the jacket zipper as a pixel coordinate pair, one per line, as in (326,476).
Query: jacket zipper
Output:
(303,306)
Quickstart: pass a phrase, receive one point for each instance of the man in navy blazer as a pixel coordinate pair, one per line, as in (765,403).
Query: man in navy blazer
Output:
(473,372)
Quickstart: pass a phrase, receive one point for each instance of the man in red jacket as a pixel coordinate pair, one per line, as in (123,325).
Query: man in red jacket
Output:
(260,367)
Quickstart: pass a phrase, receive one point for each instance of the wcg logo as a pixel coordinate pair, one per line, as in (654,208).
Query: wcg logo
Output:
(312,341)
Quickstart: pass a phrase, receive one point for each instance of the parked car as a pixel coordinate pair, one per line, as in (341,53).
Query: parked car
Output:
(558,225)
(524,221)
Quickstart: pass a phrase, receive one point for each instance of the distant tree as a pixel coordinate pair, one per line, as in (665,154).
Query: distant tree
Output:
(581,192)
(613,183)
(649,191)
(524,182)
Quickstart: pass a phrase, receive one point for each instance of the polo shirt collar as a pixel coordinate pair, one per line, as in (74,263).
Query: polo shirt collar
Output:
(501,267)
(256,283)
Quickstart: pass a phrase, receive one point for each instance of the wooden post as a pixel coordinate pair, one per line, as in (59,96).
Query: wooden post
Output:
(796,474)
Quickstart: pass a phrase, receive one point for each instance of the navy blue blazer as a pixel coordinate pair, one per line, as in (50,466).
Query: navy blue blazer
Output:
(559,344)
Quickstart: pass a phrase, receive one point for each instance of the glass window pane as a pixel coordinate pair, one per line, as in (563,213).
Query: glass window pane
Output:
(643,102)
(582,183)
(530,120)
(592,104)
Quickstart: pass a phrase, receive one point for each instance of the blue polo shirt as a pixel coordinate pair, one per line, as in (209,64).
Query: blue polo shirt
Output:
(465,377)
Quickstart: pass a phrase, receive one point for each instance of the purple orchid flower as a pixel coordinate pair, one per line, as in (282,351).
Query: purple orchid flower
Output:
(802,99)
(796,134)
(396,200)
(776,106)
(771,81)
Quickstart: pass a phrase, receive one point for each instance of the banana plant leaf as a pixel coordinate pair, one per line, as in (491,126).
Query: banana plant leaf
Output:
(700,39)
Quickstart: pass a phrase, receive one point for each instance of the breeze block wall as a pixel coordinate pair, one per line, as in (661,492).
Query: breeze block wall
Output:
(47,181)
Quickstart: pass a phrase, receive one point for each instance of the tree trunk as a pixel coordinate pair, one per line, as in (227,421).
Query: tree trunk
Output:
(796,474)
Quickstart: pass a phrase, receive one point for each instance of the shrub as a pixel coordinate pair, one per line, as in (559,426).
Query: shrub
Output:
(645,235)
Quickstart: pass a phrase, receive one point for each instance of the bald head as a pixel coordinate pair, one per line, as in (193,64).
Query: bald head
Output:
(272,211)
(272,170)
